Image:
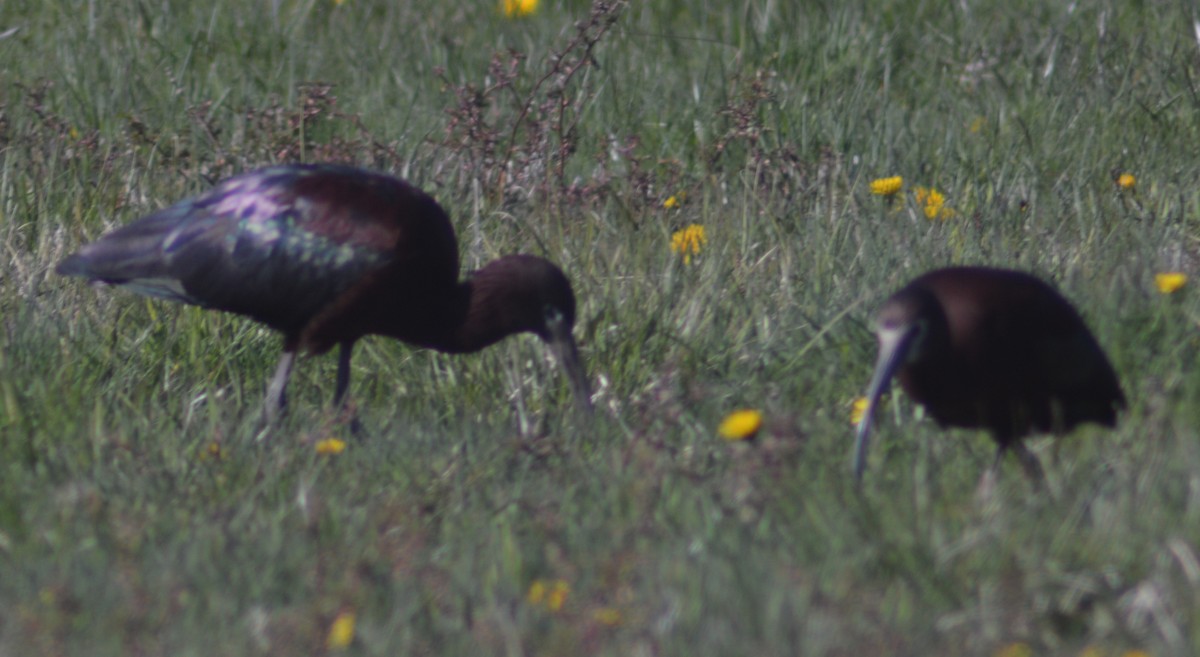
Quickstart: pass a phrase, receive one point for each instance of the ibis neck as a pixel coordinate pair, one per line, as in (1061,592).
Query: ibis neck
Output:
(481,311)
(938,369)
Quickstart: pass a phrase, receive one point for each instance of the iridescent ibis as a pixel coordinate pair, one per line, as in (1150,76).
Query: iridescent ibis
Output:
(993,349)
(327,254)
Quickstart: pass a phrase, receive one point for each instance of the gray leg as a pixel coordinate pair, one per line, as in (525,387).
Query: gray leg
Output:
(987,483)
(343,375)
(1031,464)
(343,386)
(277,390)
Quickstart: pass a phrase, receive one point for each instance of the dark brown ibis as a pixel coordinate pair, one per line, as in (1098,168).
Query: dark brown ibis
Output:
(327,254)
(993,349)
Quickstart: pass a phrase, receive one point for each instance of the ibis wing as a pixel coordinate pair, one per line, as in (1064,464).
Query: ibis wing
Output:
(1041,351)
(131,256)
(277,245)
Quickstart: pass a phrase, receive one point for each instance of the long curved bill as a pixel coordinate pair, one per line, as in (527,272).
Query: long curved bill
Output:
(562,343)
(894,344)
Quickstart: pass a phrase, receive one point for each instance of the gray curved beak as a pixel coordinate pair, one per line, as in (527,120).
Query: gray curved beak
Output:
(893,352)
(562,343)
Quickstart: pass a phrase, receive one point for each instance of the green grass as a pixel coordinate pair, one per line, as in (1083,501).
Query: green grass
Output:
(140,512)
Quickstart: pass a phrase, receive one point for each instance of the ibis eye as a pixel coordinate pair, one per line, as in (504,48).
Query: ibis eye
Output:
(552,315)
(918,340)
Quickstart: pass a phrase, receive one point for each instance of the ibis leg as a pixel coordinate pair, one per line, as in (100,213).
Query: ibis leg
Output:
(343,386)
(277,390)
(987,483)
(1031,464)
(343,375)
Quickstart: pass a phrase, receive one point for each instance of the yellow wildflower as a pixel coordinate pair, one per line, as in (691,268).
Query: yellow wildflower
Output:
(609,616)
(341,631)
(557,596)
(1018,649)
(331,446)
(933,203)
(671,202)
(740,425)
(886,186)
(518,8)
(858,410)
(1126,181)
(537,592)
(1169,282)
(213,450)
(550,594)
(688,242)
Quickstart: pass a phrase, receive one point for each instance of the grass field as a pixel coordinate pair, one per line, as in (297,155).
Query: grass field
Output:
(142,514)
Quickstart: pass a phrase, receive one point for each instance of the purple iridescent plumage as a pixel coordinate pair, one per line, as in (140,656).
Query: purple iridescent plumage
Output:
(327,254)
(995,349)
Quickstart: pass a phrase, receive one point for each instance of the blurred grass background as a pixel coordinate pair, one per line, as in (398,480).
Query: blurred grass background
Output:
(140,514)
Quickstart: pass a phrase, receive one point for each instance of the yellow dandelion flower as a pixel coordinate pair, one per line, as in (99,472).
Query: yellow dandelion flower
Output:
(671,202)
(688,242)
(331,446)
(213,450)
(1018,649)
(886,186)
(858,410)
(609,616)
(550,594)
(537,592)
(740,425)
(518,8)
(341,631)
(1126,181)
(933,203)
(1168,282)
(556,597)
